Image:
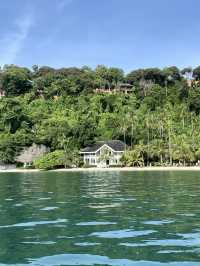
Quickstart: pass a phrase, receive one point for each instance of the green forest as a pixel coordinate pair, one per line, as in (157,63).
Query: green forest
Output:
(159,119)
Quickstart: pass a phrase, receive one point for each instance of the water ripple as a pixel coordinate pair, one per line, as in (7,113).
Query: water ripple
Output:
(95,223)
(91,260)
(122,233)
(158,222)
(32,224)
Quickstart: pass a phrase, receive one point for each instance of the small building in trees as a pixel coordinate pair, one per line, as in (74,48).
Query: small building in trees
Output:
(193,83)
(119,88)
(2,93)
(30,154)
(125,88)
(104,153)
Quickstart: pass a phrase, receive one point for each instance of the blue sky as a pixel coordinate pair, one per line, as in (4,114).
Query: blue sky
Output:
(124,33)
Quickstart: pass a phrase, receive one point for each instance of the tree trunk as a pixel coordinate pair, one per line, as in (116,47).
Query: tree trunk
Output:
(125,138)
(148,139)
(170,147)
(166,91)
(132,135)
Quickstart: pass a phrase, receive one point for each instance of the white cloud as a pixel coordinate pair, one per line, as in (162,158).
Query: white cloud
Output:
(12,44)
(61,4)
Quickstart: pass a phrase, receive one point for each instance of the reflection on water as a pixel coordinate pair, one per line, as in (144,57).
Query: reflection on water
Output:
(106,218)
(122,233)
(31,224)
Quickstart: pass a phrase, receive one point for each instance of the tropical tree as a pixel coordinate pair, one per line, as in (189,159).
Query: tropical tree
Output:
(133,157)
(182,151)
(15,80)
(196,73)
(50,161)
(187,72)
(30,154)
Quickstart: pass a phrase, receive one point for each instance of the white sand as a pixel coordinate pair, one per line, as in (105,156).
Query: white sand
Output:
(123,169)
(132,169)
(19,170)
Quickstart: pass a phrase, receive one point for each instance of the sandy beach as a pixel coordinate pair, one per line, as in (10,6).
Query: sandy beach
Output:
(132,169)
(20,170)
(122,169)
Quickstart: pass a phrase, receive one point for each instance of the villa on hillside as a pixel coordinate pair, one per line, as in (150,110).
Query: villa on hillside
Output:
(192,82)
(123,88)
(104,153)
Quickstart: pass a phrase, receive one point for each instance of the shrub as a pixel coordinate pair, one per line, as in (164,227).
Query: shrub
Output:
(51,160)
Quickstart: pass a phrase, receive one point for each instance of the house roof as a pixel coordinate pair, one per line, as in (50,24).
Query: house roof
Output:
(127,85)
(116,145)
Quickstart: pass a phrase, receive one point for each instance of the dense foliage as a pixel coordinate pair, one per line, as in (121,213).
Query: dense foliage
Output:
(159,120)
(50,161)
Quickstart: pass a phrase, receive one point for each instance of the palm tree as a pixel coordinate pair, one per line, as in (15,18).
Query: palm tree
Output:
(183,151)
(158,149)
(134,157)
(70,155)
(169,112)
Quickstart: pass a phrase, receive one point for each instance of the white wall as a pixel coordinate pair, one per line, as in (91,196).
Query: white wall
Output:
(93,158)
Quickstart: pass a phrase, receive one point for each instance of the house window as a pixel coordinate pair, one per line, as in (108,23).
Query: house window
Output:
(93,161)
(87,161)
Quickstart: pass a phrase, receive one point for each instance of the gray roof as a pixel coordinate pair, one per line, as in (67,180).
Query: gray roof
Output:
(116,145)
(126,85)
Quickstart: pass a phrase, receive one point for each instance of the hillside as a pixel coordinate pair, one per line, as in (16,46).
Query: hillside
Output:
(158,118)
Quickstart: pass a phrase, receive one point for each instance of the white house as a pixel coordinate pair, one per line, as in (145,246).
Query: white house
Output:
(104,153)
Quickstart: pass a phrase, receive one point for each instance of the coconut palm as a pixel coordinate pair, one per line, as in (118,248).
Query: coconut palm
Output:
(182,151)
(134,157)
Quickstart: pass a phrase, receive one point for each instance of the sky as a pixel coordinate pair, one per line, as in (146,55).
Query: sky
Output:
(129,34)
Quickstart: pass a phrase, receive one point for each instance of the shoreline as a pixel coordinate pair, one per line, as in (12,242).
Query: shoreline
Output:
(132,169)
(120,169)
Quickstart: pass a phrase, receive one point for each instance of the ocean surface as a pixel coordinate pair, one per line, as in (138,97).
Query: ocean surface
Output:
(100,218)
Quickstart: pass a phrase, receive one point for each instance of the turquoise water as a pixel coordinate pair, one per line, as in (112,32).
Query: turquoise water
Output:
(105,218)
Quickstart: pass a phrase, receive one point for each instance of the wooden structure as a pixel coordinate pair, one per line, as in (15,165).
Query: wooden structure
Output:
(123,88)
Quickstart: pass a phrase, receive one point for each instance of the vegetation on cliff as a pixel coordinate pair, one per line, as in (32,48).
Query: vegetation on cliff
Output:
(59,108)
